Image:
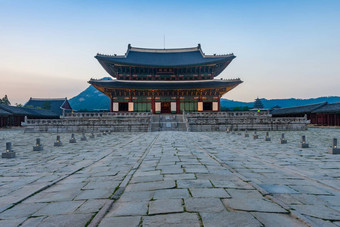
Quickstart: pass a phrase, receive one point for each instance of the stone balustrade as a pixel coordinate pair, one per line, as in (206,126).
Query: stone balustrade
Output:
(141,122)
(246,120)
(105,114)
(91,122)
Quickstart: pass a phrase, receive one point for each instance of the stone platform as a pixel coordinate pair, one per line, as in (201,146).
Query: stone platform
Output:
(171,178)
(147,122)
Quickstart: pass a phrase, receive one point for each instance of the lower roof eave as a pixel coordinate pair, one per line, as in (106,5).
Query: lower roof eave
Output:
(116,84)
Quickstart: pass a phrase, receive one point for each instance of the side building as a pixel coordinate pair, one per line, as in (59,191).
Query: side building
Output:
(59,106)
(14,116)
(321,114)
(165,80)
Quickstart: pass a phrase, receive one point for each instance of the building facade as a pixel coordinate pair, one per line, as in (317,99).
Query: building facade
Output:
(165,80)
(321,114)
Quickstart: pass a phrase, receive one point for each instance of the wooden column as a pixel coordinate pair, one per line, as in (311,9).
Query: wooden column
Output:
(335,119)
(328,120)
(178,104)
(153,102)
(219,104)
(111,106)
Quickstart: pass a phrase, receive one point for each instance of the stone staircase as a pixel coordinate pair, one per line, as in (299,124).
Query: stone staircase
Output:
(168,122)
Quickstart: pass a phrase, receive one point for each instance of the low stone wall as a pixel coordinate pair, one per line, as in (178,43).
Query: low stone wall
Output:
(221,121)
(142,122)
(92,122)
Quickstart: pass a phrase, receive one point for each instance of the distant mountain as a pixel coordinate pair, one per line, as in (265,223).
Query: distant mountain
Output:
(269,103)
(93,100)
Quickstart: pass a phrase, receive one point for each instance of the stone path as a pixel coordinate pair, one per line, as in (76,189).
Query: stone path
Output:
(171,179)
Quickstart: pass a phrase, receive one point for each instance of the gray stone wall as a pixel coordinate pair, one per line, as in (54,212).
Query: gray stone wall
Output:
(263,121)
(143,122)
(92,122)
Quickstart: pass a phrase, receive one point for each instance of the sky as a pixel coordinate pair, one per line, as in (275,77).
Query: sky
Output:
(284,49)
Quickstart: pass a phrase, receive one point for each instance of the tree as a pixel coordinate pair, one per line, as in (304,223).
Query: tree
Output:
(5,101)
(18,105)
(245,108)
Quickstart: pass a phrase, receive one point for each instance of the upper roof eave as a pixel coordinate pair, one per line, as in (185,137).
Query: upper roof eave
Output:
(165,84)
(114,60)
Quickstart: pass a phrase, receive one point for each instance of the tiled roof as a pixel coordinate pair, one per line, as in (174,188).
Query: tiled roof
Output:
(164,84)
(56,105)
(329,108)
(298,109)
(15,110)
(184,57)
(22,111)
(4,113)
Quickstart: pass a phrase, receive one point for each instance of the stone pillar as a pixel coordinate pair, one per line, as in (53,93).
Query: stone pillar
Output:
(334,148)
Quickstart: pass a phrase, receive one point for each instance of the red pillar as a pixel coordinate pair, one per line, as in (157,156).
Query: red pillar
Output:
(335,119)
(219,104)
(153,105)
(111,105)
(178,105)
(328,123)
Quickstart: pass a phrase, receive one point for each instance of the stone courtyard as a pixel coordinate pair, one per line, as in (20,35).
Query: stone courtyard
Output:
(171,179)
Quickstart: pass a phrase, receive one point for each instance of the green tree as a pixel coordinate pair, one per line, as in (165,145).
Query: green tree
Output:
(5,101)
(245,108)
(18,105)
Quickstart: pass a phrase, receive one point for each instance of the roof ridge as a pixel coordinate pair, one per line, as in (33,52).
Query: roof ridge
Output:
(320,103)
(43,99)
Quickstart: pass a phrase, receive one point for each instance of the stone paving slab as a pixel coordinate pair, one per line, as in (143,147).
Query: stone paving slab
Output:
(277,220)
(132,221)
(129,208)
(229,219)
(178,220)
(165,206)
(171,178)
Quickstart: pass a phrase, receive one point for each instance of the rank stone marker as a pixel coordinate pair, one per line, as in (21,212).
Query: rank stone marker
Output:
(267,137)
(255,136)
(334,149)
(303,143)
(73,139)
(58,143)
(91,136)
(283,140)
(9,153)
(246,134)
(83,138)
(104,133)
(38,146)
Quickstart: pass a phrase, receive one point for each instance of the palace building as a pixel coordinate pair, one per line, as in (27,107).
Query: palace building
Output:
(165,80)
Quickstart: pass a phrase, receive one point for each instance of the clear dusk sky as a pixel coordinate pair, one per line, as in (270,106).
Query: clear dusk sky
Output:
(284,49)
